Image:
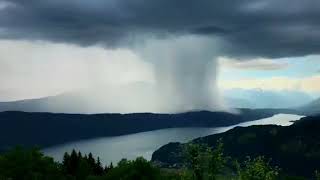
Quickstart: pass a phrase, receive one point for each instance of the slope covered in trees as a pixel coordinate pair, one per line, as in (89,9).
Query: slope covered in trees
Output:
(295,148)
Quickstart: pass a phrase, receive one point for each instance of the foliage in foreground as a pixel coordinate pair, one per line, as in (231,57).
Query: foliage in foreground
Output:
(205,162)
(76,165)
(202,163)
(139,169)
(20,164)
(256,169)
(317,175)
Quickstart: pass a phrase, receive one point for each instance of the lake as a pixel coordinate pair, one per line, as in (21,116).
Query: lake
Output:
(113,149)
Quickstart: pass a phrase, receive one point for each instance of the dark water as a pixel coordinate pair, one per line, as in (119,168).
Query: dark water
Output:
(145,143)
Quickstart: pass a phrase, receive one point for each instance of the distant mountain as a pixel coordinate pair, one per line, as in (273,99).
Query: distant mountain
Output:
(71,102)
(60,103)
(91,101)
(77,103)
(311,108)
(47,129)
(296,148)
(258,98)
(100,101)
(235,102)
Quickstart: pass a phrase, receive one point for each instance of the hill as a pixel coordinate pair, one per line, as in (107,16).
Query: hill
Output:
(295,148)
(312,108)
(69,102)
(47,129)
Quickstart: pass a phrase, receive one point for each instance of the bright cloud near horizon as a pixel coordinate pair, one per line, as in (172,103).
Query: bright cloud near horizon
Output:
(160,55)
(290,74)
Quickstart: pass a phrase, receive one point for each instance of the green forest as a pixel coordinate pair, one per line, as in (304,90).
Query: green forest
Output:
(200,163)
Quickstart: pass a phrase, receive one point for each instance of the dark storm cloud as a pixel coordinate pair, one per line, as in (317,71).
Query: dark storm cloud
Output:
(269,28)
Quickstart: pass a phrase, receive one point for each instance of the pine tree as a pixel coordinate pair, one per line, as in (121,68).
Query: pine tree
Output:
(91,160)
(74,162)
(317,175)
(98,167)
(79,155)
(66,162)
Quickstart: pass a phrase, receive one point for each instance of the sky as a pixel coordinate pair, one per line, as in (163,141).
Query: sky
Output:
(176,55)
(292,74)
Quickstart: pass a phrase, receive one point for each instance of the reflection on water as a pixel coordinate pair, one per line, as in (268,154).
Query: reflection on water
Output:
(113,149)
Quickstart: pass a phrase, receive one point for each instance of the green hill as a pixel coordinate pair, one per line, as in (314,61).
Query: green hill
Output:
(296,148)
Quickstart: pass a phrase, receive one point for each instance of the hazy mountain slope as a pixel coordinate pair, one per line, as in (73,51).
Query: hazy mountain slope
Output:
(46,129)
(239,103)
(121,99)
(70,102)
(257,98)
(99,101)
(312,108)
(296,148)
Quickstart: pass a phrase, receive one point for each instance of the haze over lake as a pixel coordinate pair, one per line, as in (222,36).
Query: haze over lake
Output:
(113,149)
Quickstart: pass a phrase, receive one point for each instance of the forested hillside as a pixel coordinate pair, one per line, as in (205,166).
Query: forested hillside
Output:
(296,148)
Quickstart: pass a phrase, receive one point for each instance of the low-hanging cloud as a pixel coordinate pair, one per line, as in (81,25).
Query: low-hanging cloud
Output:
(255,64)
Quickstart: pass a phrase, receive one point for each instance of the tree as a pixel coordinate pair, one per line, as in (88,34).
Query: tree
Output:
(108,168)
(98,168)
(257,169)
(79,155)
(77,165)
(317,175)
(83,170)
(204,161)
(91,160)
(66,162)
(194,156)
(73,163)
(136,169)
(28,164)
(217,159)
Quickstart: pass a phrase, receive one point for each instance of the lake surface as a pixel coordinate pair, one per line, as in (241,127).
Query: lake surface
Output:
(113,149)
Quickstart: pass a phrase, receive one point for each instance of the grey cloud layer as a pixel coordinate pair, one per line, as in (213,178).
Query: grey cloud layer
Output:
(268,28)
(257,64)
